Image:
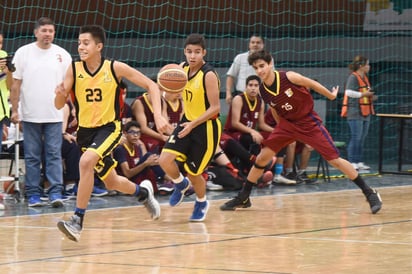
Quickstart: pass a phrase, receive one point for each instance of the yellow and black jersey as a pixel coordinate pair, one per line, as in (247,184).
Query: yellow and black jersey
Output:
(194,95)
(95,95)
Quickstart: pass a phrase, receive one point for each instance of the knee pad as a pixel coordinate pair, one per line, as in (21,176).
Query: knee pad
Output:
(104,166)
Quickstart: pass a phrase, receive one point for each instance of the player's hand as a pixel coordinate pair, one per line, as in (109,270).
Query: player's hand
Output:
(15,117)
(228,99)
(186,129)
(334,92)
(162,125)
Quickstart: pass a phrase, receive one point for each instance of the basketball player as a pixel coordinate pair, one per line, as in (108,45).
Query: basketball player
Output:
(94,80)
(287,93)
(195,139)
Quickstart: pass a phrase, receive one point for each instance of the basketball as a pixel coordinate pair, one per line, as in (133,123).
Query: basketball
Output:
(8,187)
(172,78)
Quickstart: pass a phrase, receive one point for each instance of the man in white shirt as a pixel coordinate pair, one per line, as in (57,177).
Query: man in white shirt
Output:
(240,68)
(40,67)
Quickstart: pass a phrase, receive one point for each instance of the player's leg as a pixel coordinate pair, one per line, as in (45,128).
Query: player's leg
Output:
(242,199)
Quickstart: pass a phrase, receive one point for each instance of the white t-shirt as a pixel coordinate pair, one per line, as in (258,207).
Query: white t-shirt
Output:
(241,70)
(40,70)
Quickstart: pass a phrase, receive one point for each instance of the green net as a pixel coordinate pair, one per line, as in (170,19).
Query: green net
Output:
(316,38)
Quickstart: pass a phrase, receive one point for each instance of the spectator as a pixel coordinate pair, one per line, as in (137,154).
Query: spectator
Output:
(135,163)
(40,67)
(240,69)
(245,121)
(143,113)
(6,80)
(358,109)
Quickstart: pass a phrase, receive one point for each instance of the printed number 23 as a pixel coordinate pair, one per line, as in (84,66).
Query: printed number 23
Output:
(93,95)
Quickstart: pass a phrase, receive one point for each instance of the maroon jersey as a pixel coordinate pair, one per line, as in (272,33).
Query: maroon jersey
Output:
(249,114)
(174,113)
(290,101)
(148,111)
(298,121)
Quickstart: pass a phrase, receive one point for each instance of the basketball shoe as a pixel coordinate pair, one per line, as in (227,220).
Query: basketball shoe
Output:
(151,204)
(71,228)
(200,211)
(237,202)
(375,201)
(179,192)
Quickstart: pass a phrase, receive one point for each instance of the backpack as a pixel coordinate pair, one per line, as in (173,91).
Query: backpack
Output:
(221,176)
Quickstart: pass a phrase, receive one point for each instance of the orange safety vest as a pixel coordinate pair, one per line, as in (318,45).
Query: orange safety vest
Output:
(365,103)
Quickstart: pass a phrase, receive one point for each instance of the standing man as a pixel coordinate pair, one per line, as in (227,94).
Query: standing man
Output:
(195,139)
(93,83)
(287,93)
(240,68)
(40,67)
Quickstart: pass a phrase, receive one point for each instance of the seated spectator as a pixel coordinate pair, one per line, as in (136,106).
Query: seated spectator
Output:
(143,113)
(245,121)
(137,164)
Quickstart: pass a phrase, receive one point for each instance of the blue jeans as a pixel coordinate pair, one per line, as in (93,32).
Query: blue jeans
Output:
(43,139)
(359,130)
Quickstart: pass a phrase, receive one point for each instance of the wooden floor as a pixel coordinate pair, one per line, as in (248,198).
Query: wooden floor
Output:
(321,232)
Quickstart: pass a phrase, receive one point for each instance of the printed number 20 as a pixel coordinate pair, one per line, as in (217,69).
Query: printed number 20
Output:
(93,95)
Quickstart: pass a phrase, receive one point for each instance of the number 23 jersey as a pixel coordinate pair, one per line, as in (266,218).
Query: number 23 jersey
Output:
(96,96)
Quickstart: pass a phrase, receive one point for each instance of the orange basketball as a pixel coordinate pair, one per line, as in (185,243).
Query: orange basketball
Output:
(172,78)
(8,187)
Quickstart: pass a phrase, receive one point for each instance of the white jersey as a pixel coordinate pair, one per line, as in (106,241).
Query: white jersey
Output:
(40,70)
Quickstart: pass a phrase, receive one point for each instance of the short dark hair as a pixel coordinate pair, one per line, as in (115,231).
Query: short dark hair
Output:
(130,124)
(252,77)
(98,33)
(261,54)
(196,39)
(43,21)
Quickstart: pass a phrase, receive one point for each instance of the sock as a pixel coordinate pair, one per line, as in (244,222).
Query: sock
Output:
(80,212)
(201,200)
(247,188)
(362,185)
(278,169)
(179,179)
(141,193)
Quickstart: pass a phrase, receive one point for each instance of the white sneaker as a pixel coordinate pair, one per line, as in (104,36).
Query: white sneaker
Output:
(211,186)
(363,166)
(355,166)
(279,179)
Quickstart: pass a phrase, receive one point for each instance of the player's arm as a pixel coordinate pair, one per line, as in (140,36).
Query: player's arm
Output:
(301,80)
(230,80)
(63,90)
(139,114)
(237,104)
(123,70)
(263,126)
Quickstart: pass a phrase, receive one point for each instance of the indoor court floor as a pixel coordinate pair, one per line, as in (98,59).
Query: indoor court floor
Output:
(317,228)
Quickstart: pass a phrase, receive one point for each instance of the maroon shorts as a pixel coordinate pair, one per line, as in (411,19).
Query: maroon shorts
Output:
(308,130)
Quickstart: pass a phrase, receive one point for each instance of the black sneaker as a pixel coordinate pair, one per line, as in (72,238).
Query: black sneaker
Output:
(375,201)
(236,202)
(303,178)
